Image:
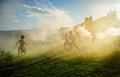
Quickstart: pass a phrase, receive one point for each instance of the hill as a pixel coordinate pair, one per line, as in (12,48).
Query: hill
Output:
(52,64)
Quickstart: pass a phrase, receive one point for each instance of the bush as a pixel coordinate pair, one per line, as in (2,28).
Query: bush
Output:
(6,56)
(2,52)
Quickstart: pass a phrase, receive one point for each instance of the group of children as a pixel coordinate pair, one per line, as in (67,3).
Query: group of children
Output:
(68,44)
(76,40)
(70,41)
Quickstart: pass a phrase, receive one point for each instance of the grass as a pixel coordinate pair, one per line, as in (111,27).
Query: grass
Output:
(51,64)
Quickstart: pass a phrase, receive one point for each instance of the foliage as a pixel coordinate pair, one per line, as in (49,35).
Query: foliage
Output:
(6,56)
(51,66)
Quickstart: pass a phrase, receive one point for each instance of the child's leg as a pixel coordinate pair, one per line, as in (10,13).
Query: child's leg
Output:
(19,49)
(24,50)
(65,43)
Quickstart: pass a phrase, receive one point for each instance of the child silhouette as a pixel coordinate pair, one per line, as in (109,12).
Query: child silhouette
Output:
(22,43)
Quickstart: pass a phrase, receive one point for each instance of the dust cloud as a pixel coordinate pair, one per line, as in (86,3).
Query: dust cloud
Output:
(91,38)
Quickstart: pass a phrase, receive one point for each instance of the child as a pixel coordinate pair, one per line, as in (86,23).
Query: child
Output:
(21,48)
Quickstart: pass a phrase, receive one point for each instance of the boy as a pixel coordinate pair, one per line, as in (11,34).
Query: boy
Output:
(21,48)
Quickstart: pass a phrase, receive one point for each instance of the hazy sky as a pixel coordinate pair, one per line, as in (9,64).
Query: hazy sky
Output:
(29,14)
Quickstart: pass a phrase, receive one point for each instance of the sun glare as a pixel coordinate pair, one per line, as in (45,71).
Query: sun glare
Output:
(113,31)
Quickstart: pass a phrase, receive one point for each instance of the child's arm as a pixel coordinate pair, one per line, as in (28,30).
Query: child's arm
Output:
(17,42)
